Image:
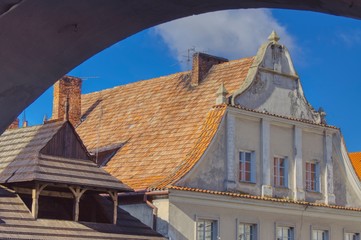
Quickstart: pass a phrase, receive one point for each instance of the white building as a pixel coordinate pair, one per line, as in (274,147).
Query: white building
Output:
(228,150)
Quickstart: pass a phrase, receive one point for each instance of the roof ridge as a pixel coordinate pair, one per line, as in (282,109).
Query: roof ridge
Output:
(137,82)
(164,76)
(28,129)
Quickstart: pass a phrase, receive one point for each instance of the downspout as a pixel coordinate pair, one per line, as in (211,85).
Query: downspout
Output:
(155,211)
(151,205)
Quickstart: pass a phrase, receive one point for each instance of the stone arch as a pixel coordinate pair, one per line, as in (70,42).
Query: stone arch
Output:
(43,40)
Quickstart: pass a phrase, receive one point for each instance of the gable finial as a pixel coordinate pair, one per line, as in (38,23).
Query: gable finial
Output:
(25,122)
(45,119)
(221,94)
(273,37)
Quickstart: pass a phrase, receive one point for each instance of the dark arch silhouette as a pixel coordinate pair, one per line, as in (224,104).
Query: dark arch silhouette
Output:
(41,40)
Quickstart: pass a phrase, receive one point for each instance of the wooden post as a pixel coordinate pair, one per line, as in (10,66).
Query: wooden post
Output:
(35,192)
(78,192)
(114,196)
(35,204)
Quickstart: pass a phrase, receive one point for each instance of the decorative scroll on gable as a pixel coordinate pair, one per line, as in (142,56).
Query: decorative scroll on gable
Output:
(272,85)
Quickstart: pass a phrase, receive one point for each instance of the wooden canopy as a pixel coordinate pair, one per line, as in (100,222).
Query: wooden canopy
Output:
(51,153)
(17,222)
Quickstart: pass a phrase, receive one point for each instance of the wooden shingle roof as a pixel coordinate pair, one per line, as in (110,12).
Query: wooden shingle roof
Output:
(16,222)
(23,159)
(158,121)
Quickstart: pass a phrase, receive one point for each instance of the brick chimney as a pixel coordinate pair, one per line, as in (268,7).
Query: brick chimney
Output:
(14,124)
(67,91)
(202,63)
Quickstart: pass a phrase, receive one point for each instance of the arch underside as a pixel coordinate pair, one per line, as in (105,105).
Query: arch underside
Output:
(42,40)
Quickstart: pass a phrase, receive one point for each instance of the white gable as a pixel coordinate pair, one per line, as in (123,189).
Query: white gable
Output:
(272,85)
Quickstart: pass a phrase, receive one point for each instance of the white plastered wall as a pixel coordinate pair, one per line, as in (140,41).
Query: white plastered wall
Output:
(186,207)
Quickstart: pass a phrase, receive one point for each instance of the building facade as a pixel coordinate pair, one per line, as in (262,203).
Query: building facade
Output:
(228,150)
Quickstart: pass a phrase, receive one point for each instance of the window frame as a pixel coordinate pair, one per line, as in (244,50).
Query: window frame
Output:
(291,227)
(246,221)
(205,218)
(277,178)
(358,235)
(327,232)
(320,228)
(252,163)
(317,177)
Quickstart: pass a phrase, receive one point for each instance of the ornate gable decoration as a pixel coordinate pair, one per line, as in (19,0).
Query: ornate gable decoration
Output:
(272,84)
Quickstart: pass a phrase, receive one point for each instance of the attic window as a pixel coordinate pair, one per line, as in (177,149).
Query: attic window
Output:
(103,155)
(102,158)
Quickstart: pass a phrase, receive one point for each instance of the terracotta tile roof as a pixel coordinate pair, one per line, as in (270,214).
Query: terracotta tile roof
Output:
(248,196)
(210,127)
(159,120)
(355,158)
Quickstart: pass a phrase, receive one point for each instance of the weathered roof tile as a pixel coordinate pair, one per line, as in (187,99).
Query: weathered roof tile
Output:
(159,120)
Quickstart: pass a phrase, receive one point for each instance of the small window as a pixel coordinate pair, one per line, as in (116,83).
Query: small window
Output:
(285,233)
(247,168)
(313,176)
(352,236)
(207,229)
(280,172)
(247,231)
(319,235)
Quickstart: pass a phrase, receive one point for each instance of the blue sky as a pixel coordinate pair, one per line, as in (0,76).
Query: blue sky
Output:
(325,50)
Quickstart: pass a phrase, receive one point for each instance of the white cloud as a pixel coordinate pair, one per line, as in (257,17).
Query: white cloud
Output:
(231,34)
(351,38)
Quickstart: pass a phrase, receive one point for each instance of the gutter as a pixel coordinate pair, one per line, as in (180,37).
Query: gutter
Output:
(151,205)
(147,201)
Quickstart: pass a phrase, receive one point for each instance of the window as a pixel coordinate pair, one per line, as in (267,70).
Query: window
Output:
(247,168)
(352,236)
(312,176)
(247,231)
(319,235)
(285,233)
(207,229)
(280,172)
